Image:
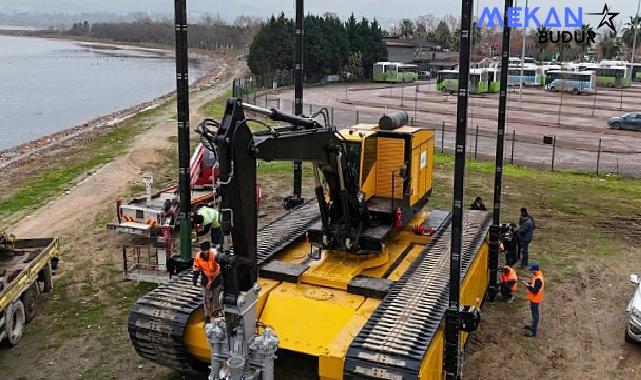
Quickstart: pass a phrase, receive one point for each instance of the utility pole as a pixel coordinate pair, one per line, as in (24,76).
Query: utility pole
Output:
(522,62)
(495,230)
(296,198)
(451,362)
(182,108)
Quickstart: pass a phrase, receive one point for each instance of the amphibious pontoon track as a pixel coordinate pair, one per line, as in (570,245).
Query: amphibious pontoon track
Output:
(157,321)
(395,339)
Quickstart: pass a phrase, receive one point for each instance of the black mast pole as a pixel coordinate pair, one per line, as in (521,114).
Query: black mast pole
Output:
(451,365)
(182,101)
(495,230)
(296,198)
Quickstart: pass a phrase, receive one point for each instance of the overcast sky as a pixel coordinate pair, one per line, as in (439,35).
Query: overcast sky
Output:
(382,9)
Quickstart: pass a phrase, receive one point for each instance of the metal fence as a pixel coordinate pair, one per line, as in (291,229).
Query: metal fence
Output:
(545,152)
(249,87)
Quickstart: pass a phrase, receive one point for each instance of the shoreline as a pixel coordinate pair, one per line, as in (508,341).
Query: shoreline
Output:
(213,68)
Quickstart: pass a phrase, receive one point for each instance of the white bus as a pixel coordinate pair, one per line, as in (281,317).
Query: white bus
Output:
(576,82)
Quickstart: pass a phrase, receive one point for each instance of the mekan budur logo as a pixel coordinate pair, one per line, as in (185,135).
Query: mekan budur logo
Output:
(567,17)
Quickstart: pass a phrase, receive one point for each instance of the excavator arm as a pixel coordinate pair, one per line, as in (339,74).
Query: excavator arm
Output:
(344,215)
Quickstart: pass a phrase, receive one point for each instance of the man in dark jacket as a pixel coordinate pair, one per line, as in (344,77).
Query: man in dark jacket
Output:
(478,204)
(526,233)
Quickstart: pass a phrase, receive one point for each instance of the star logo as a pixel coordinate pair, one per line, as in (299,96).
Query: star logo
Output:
(607,18)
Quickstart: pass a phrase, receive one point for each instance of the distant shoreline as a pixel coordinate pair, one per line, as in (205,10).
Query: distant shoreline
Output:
(14,155)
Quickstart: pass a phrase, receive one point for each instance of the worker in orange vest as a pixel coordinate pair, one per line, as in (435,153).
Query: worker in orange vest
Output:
(509,283)
(535,289)
(207,269)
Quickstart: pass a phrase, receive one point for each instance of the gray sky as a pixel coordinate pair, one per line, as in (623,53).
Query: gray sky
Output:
(384,10)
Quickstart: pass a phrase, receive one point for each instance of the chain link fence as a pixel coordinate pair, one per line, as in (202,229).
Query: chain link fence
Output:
(546,152)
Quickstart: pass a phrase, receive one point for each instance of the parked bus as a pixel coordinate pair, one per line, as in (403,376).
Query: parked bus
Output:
(576,82)
(395,72)
(532,75)
(481,81)
(635,71)
(613,76)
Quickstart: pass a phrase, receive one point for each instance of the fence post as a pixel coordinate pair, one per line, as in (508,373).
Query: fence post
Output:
(278,104)
(357,116)
(476,142)
(553,151)
(598,157)
(416,102)
(402,94)
(293,106)
(443,137)
(332,116)
(412,121)
(513,139)
(266,100)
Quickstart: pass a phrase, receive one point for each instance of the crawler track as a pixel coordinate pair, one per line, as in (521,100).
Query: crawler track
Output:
(395,339)
(157,321)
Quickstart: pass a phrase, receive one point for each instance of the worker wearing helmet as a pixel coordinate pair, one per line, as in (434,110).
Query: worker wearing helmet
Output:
(207,219)
(207,269)
(535,288)
(509,283)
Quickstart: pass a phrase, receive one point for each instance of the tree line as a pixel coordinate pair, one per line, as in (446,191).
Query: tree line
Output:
(211,35)
(445,31)
(331,46)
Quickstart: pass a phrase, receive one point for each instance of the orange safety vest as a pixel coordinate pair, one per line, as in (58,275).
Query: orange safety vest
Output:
(536,298)
(209,267)
(510,276)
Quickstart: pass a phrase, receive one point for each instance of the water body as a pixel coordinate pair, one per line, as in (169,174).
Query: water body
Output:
(50,85)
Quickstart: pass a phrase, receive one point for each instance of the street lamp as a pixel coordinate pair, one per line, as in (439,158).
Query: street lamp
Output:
(523,62)
(634,39)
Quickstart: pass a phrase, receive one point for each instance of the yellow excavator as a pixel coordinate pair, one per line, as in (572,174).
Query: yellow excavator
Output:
(357,277)
(362,277)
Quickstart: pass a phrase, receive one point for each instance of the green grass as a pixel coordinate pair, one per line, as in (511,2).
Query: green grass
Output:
(39,189)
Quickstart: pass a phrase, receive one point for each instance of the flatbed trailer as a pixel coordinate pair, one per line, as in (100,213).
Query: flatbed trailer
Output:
(26,270)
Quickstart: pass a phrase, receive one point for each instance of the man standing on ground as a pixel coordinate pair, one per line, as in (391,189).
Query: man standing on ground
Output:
(535,289)
(478,204)
(207,269)
(509,283)
(207,218)
(526,232)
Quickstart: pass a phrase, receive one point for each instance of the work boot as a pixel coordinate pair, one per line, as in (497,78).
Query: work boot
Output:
(529,334)
(511,299)
(528,327)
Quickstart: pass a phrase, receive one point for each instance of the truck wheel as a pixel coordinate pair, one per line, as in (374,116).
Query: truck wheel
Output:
(628,338)
(14,322)
(575,91)
(30,302)
(616,126)
(48,282)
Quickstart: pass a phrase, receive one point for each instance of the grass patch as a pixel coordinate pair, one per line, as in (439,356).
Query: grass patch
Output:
(36,191)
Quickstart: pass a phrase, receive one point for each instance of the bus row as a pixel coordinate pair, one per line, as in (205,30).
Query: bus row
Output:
(488,80)
(608,73)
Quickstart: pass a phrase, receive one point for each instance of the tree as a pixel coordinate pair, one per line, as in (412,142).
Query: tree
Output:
(541,46)
(353,68)
(406,28)
(272,47)
(608,46)
(583,47)
(442,34)
(628,31)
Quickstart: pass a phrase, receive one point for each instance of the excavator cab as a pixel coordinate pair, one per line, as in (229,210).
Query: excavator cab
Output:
(393,167)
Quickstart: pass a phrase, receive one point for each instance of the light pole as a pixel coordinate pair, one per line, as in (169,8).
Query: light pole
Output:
(523,62)
(634,39)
